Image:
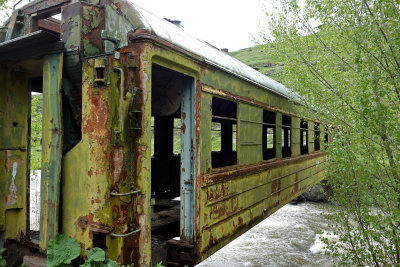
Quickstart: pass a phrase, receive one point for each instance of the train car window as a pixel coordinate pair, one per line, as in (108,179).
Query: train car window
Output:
(224,123)
(177,136)
(286,136)
(303,137)
(317,145)
(269,136)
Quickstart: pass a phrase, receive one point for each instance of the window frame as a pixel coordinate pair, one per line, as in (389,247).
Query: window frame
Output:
(233,120)
(288,129)
(304,149)
(269,122)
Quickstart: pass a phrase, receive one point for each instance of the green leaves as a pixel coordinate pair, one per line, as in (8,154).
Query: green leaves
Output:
(95,255)
(36,132)
(97,258)
(3,262)
(62,250)
(347,73)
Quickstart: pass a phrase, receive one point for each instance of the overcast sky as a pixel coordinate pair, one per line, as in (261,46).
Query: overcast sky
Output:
(223,23)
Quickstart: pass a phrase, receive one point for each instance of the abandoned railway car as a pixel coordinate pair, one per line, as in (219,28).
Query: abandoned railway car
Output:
(155,145)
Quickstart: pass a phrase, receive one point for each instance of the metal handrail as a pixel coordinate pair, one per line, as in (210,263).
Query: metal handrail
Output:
(127,234)
(115,193)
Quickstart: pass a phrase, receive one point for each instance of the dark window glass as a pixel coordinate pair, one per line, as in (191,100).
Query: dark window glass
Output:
(269,134)
(303,137)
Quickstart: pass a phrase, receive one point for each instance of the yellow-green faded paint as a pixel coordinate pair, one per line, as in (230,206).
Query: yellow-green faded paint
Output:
(86,168)
(295,136)
(249,141)
(52,145)
(278,139)
(13,146)
(230,207)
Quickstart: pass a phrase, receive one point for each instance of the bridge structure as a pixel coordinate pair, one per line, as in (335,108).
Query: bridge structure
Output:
(155,146)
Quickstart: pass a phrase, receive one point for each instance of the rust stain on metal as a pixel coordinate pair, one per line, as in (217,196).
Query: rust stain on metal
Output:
(275,187)
(232,172)
(218,192)
(117,164)
(183,128)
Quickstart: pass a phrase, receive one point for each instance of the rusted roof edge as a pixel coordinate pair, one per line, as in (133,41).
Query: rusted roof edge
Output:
(208,54)
(161,41)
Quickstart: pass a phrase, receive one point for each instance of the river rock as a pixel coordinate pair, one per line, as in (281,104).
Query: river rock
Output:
(315,193)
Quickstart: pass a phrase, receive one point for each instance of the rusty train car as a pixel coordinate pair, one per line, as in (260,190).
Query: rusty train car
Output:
(156,146)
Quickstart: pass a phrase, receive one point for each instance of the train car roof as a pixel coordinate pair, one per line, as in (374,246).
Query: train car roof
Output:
(213,56)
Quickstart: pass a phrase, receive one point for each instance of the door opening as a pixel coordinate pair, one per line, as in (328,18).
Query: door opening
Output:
(36,122)
(171,161)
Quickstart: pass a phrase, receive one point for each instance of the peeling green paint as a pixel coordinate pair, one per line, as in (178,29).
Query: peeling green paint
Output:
(89,49)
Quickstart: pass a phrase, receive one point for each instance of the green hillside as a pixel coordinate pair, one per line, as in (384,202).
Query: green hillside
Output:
(256,58)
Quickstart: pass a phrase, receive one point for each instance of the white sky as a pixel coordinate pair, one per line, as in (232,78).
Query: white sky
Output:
(223,23)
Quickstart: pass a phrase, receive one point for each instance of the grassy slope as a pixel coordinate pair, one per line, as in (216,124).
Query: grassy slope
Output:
(255,57)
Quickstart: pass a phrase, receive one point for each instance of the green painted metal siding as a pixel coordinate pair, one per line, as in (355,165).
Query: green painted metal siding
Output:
(295,135)
(249,134)
(278,132)
(51,148)
(13,151)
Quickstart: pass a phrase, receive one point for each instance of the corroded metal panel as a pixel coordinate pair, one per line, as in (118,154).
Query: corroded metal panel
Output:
(249,141)
(311,136)
(13,151)
(52,148)
(232,201)
(278,139)
(295,136)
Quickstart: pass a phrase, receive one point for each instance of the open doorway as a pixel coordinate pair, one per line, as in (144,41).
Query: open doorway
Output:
(35,137)
(172,160)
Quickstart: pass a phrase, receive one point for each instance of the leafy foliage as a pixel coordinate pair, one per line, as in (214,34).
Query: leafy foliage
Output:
(5,9)
(36,132)
(3,261)
(342,58)
(62,250)
(97,258)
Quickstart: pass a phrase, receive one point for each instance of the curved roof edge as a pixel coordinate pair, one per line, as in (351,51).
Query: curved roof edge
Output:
(211,55)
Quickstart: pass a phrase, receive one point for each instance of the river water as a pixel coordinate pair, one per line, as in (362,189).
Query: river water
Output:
(286,238)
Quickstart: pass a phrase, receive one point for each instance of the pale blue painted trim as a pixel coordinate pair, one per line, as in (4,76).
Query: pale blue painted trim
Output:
(187,160)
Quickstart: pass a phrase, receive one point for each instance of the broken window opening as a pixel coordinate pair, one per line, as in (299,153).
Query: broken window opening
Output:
(286,136)
(303,137)
(317,145)
(269,136)
(223,134)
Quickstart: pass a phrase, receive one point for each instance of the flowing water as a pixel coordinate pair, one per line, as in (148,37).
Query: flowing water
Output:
(286,238)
